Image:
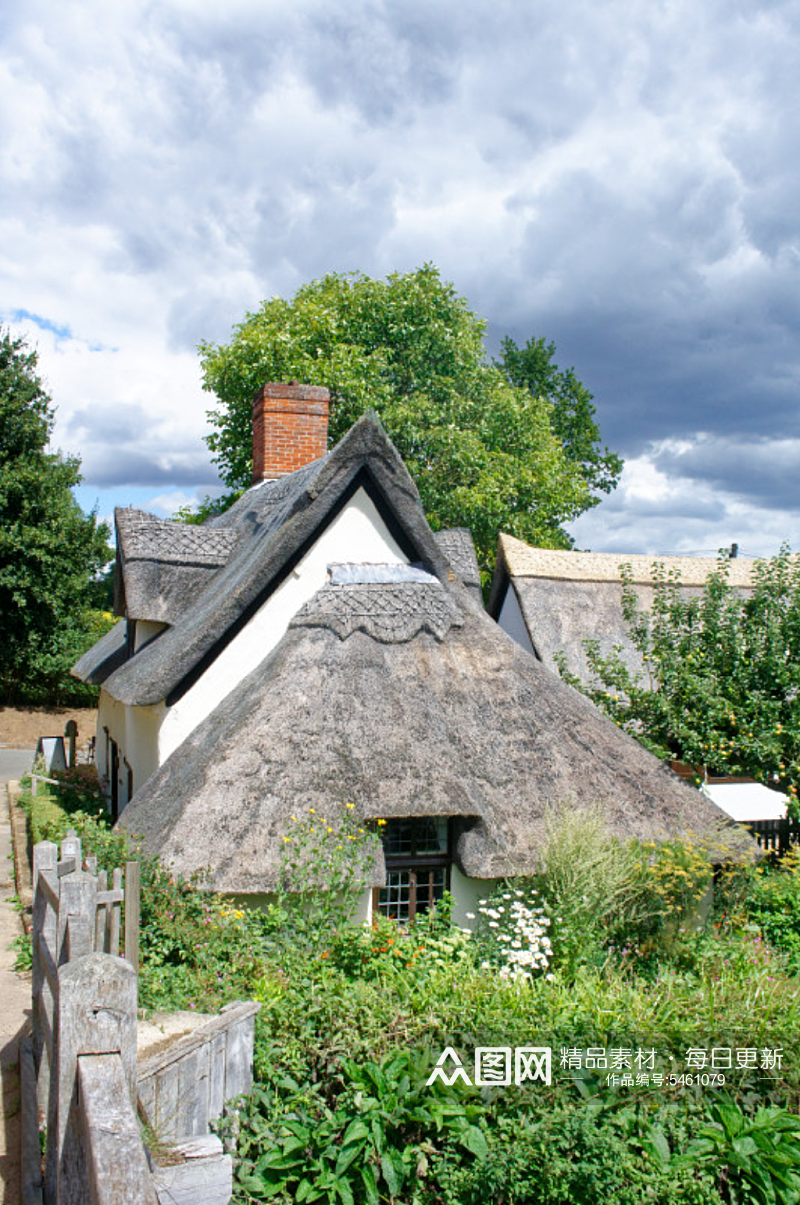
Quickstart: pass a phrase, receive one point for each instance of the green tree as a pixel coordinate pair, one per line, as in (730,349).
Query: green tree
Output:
(572,417)
(721,681)
(50,550)
(483,452)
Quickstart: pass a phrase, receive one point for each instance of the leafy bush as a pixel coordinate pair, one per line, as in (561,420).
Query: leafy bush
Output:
(569,1153)
(364,1137)
(758,1157)
(773,903)
(80,791)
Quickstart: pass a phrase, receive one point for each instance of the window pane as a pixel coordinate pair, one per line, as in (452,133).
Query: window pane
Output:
(430,888)
(420,835)
(393,899)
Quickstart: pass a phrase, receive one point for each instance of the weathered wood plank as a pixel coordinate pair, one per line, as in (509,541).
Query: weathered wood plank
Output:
(205,1177)
(109,897)
(97,1015)
(43,937)
(113,916)
(237,1011)
(132,906)
(46,888)
(80,937)
(29,1125)
(100,915)
(116,1164)
(77,896)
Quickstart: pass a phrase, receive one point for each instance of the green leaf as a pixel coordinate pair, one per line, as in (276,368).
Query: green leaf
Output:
(393,1181)
(370,1186)
(474,1140)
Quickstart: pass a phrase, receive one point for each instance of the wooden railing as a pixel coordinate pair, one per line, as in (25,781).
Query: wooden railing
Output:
(776,837)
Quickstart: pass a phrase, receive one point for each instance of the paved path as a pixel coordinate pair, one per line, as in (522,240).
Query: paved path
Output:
(15,990)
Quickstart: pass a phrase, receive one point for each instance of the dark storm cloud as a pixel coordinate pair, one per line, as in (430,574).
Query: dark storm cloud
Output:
(619,178)
(105,466)
(762,471)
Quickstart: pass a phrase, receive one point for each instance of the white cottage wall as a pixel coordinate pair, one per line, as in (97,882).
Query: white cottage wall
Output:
(358,535)
(512,621)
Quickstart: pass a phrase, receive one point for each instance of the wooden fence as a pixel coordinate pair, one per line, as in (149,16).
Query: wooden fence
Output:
(79,1070)
(776,837)
(83,1051)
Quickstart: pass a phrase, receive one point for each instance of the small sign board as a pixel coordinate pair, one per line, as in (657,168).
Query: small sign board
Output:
(51,748)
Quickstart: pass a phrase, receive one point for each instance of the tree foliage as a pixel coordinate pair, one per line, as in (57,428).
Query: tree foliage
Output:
(485,453)
(721,688)
(572,415)
(50,550)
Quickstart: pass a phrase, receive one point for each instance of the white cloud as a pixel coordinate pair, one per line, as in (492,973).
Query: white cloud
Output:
(621,178)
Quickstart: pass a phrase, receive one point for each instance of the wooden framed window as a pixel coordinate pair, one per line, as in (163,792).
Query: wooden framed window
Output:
(417,854)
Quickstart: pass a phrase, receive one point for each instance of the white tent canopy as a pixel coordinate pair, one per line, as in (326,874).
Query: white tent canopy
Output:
(746,800)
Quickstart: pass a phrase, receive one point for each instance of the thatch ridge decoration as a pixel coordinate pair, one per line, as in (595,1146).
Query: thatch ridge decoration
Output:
(391,613)
(523,560)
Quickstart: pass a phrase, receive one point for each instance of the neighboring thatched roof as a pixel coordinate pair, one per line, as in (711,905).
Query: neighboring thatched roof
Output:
(404,698)
(567,597)
(243,555)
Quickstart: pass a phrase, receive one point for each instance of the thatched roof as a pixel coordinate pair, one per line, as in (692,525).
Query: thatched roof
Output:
(164,565)
(104,657)
(567,597)
(404,698)
(207,581)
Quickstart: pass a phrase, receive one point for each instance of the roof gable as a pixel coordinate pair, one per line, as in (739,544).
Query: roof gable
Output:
(277,523)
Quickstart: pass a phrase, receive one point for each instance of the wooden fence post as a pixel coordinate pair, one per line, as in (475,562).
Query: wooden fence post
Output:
(96,1015)
(132,904)
(77,899)
(45,858)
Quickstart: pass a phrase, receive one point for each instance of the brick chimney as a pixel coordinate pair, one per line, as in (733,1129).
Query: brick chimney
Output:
(290,428)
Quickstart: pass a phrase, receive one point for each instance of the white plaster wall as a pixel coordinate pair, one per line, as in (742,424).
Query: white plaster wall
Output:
(146,630)
(140,744)
(135,729)
(358,535)
(511,620)
(466,892)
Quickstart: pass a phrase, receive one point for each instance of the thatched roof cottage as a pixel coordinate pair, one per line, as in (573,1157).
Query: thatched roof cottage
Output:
(551,600)
(317,644)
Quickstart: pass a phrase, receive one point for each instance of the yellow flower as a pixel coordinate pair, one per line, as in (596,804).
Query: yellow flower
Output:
(381,823)
(311,810)
(350,805)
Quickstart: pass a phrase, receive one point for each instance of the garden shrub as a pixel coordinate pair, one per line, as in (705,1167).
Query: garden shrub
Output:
(353,1018)
(773,903)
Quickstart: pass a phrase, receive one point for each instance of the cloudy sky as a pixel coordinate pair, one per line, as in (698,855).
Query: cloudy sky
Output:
(622,178)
